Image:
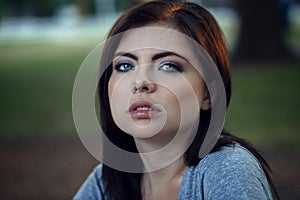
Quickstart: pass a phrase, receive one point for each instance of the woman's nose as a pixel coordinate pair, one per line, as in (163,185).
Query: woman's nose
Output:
(142,81)
(145,86)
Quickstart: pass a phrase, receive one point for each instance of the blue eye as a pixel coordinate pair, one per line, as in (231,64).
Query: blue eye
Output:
(170,67)
(123,67)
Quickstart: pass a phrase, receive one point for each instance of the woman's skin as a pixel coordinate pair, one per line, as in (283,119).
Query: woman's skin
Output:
(152,74)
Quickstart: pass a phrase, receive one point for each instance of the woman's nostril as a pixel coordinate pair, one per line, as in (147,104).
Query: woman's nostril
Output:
(145,88)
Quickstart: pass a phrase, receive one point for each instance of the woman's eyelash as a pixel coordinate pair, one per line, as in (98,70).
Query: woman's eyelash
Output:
(123,66)
(170,67)
(165,66)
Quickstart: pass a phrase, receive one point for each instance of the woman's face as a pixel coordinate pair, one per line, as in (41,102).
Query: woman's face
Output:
(153,82)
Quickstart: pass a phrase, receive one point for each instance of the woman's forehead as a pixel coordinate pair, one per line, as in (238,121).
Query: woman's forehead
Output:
(155,38)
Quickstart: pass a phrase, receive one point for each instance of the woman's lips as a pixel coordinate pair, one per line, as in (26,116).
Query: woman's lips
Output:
(143,110)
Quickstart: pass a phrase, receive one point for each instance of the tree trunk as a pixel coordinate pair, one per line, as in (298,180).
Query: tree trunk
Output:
(260,37)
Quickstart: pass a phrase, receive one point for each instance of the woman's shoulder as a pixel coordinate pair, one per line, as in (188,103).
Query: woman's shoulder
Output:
(92,188)
(230,157)
(232,172)
(233,162)
(234,158)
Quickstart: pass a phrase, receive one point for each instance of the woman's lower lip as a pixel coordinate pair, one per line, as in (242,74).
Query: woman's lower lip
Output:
(143,114)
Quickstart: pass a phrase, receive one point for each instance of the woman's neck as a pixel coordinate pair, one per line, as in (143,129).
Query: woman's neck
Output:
(164,182)
(163,179)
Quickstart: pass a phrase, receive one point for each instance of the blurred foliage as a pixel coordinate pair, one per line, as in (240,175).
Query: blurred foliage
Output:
(40,8)
(47,8)
(125,4)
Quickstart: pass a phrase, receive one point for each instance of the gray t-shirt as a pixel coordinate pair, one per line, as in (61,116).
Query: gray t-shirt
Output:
(230,173)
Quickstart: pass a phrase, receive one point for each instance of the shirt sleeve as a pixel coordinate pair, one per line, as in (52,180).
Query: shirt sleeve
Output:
(234,173)
(92,188)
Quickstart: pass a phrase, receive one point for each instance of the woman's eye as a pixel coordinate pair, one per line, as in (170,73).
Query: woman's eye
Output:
(171,67)
(123,67)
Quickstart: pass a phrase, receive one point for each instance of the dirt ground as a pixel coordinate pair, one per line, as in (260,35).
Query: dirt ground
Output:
(55,169)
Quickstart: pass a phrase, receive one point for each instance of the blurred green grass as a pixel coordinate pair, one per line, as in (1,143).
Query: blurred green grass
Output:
(36,88)
(36,95)
(265,105)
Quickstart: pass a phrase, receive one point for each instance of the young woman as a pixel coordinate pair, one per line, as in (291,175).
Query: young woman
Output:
(157,87)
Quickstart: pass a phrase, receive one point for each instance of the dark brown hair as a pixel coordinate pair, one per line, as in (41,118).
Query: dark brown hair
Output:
(196,22)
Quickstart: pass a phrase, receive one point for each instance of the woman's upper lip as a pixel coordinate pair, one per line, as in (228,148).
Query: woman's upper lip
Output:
(141,103)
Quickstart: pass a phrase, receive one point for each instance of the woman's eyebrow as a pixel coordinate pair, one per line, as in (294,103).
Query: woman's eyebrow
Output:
(167,53)
(155,57)
(126,55)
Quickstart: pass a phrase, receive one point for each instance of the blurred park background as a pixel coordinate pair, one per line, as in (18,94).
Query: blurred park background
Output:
(42,45)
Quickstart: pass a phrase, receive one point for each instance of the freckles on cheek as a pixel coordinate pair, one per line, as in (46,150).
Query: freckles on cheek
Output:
(184,92)
(117,90)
